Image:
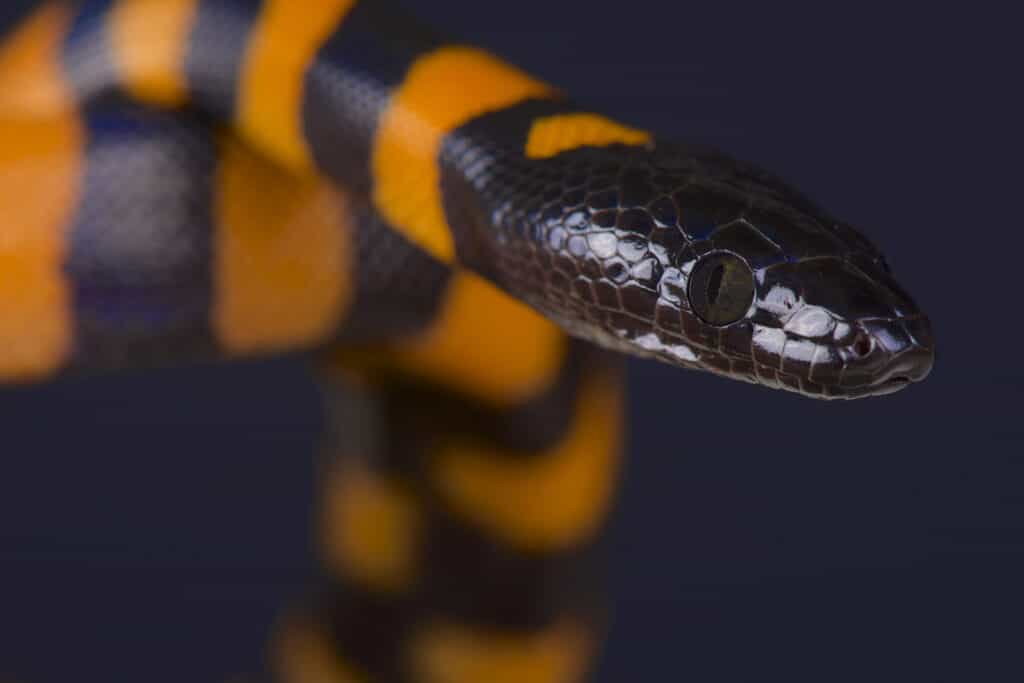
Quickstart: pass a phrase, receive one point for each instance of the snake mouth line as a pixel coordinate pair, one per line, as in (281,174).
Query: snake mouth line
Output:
(907,368)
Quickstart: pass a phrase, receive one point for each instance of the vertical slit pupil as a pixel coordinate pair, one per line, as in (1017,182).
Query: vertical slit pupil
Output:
(721,288)
(715,283)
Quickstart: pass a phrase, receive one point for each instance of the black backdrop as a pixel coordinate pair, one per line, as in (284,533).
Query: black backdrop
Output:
(151,524)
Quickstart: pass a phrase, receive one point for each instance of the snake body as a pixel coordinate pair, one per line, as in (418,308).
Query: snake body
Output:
(203,179)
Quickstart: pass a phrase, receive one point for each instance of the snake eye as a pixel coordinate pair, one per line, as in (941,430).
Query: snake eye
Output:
(721,288)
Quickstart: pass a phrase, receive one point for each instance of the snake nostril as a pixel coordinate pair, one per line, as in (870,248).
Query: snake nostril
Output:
(862,345)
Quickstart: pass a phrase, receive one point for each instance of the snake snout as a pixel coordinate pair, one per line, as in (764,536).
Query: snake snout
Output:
(886,356)
(914,361)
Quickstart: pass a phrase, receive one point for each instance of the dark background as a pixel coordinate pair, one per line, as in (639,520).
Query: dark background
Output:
(152,524)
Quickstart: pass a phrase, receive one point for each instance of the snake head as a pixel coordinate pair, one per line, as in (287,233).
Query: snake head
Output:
(685,255)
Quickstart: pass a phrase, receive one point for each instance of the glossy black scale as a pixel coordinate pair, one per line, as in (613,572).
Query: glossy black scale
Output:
(683,254)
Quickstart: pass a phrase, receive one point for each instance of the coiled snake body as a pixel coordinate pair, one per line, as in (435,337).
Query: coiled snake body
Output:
(461,245)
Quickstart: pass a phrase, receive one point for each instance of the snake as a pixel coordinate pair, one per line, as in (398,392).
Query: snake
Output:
(465,253)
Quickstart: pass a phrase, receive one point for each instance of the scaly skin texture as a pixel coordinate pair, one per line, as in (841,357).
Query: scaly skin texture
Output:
(606,242)
(472,163)
(258,176)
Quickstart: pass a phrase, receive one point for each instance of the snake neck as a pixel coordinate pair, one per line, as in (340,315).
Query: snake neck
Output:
(533,195)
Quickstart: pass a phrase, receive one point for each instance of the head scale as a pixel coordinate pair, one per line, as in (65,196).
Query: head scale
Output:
(685,255)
